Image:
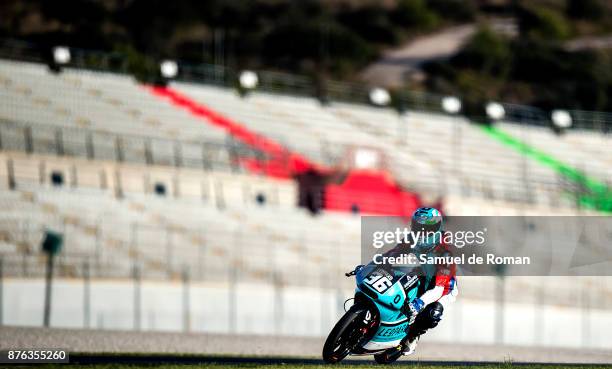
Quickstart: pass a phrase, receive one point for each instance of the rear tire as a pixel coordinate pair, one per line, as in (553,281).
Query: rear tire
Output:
(338,345)
(389,356)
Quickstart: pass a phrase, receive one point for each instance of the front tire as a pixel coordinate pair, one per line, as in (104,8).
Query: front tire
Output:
(340,340)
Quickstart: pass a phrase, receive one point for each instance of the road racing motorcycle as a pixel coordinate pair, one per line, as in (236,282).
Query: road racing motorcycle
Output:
(376,323)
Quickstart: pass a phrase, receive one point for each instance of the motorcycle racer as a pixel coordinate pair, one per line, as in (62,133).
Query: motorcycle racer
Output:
(439,281)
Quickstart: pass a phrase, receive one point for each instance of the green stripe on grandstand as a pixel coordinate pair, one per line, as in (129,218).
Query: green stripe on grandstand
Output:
(598,197)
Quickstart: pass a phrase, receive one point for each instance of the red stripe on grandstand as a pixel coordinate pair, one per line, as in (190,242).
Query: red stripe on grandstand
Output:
(280,161)
(365,191)
(370,192)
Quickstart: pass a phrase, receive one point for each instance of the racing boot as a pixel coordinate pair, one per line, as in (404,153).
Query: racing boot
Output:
(411,346)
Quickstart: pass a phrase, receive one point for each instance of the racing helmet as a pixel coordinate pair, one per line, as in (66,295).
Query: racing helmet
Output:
(426,227)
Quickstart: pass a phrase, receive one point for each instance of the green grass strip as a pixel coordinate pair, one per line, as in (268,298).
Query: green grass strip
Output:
(598,196)
(399,365)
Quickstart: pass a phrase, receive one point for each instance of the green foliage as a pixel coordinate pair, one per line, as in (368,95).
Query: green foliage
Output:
(414,14)
(586,9)
(579,80)
(532,69)
(143,68)
(486,52)
(457,10)
(338,39)
(529,71)
(543,23)
(372,23)
(74,11)
(320,41)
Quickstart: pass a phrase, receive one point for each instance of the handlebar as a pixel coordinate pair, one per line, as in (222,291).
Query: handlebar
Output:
(354,271)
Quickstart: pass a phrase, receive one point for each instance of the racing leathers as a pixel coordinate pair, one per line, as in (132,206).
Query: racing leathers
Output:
(437,291)
(438,288)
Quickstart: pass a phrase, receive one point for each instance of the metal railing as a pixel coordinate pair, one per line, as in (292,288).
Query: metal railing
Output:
(37,138)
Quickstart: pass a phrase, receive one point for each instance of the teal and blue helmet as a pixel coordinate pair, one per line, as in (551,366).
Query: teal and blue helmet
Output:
(426,226)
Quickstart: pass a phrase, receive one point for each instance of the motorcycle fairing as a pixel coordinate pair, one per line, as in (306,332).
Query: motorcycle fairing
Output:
(386,289)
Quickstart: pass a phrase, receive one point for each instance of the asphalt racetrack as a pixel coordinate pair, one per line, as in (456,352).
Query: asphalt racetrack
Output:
(121,348)
(287,362)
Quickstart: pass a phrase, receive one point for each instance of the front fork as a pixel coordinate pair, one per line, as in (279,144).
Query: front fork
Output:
(371,321)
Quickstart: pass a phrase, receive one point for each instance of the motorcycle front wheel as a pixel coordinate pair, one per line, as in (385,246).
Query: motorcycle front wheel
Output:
(344,336)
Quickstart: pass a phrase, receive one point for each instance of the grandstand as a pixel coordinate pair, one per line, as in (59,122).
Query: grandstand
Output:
(198,179)
(472,166)
(325,133)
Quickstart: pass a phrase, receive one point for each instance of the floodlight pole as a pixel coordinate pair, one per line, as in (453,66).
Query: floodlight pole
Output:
(137,293)
(86,295)
(48,287)
(186,300)
(457,144)
(500,311)
(500,303)
(452,105)
(278,303)
(232,300)
(402,122)
(524,159)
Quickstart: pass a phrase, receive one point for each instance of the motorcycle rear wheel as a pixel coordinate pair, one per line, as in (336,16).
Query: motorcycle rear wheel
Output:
(340,340)
(388,356)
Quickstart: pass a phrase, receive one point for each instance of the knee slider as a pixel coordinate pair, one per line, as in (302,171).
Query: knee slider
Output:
(435,313)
